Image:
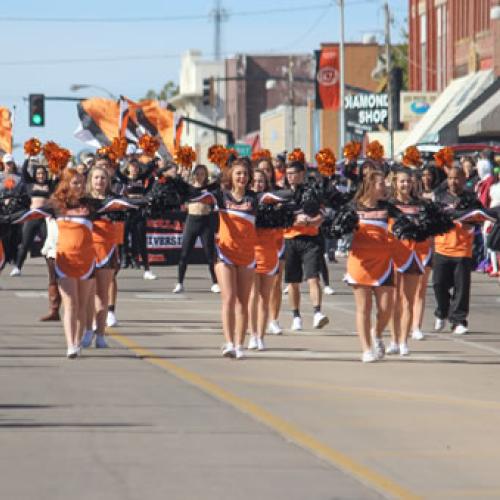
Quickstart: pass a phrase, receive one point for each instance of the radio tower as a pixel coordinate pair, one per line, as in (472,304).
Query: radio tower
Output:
(219,15)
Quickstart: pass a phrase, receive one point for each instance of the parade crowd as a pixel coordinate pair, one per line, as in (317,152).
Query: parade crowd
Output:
(262,222)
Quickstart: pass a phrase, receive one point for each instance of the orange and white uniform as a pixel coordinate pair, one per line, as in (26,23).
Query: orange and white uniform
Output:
(370,260)
(268,243)
(104,239)
(75,253)
(409,255)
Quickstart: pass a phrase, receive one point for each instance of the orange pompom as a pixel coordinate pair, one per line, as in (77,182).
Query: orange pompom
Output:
(326,162)
(148,144)
(57,157)
(444,157)
(261,154)
(218,155)
(375,151)
(9,183)
(32,147)
(352,150)
(185,156)
(297,155)
(411,157)
(117,149)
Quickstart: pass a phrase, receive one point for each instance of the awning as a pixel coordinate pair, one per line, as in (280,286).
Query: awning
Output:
(484,121)
(454,98)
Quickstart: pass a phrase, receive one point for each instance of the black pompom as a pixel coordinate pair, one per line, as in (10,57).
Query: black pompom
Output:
(434,220)
(345,221)
(274,216)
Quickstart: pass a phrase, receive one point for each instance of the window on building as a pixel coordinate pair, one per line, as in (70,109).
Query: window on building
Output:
(423,52)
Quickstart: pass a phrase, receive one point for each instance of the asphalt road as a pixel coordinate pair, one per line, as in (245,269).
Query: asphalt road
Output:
(161,415)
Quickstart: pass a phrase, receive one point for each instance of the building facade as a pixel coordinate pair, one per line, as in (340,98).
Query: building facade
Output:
(449,39)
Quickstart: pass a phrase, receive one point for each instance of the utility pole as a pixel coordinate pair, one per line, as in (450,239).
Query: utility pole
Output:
(219,15)
(342,79)
(390,120)
(291,101)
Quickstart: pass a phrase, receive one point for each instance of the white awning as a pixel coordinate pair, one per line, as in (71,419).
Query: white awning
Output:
(454,98)
(485,120)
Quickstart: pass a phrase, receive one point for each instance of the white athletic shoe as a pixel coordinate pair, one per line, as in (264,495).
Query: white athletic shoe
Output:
(238,352)
(179,288)
(215,288)
(403,349)
(296,324)
(274,327)
(72,352)
(285,290)
(87,339)
(439,324)
(417,334)
(461,330)
(15,272)
(148,275)
(260,345)
(328,290)
(228,350)
(111,319)
(252,343)
(100,341)
(368,357)
(320,320)
(379,348)
(392,349)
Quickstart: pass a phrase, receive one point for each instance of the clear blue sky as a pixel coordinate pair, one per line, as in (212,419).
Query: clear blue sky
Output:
(47,57)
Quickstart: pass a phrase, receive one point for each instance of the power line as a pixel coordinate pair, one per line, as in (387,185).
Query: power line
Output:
(156,19)
(34,62)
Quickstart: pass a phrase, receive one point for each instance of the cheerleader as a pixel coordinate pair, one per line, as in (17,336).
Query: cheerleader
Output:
(267,266)
(75,256)
(370,265)
(411,262)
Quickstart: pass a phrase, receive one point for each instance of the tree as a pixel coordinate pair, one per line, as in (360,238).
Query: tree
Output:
(169,90)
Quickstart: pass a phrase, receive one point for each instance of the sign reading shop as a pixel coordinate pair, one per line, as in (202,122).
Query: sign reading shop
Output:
(366,112)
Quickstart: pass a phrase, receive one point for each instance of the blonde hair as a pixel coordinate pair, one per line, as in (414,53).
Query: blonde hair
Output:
(88,186)
(366,186)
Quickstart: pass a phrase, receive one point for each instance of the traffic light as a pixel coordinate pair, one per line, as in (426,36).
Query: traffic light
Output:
(37,110)
(208,92)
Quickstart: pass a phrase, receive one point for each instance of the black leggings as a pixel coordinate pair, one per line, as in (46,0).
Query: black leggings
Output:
(204,227)
(30,230)
(135,237)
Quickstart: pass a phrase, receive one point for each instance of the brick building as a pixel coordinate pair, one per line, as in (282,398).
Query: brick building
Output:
(450,39)
(256,91)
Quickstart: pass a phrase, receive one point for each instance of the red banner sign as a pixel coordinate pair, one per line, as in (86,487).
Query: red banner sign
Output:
(327,79)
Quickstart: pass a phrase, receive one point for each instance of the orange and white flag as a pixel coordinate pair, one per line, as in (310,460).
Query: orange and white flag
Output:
(5,131)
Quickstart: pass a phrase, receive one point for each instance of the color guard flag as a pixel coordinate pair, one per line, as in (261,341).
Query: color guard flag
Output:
(5,131)
(99,121)
(327,78)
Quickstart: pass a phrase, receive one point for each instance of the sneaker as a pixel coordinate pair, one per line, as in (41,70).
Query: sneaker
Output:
(215,288)
(296,324)
(111,319)
(148,275)
(460,330)
(179,288)
(15,272)
(252,343)
(87,339)
(285,290)
(379,349)
(260,345)
(439,324)
(392,349)
(320,320)
(72,352)
(228,350)
(328,290)
(417,334)
(274,327)
(100,342)
(238,352)
(403,349)
(368,357)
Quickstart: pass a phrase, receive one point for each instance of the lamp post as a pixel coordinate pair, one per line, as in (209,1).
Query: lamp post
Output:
(79,86)
(342,79)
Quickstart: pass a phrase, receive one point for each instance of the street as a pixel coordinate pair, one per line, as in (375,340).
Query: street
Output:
(162,415)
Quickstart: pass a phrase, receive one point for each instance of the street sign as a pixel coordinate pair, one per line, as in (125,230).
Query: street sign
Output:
(242,149)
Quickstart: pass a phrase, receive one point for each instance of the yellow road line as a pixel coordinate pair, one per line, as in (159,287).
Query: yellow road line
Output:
(289,431)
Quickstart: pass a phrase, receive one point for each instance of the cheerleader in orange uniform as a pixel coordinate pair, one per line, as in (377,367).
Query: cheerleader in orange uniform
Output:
(411,261)
(267,266)
(75,255)
(370,264)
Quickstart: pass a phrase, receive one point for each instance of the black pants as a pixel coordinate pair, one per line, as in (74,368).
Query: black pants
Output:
(135,237)
(30,230)
(11,240)
(451,280)
(204,227)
